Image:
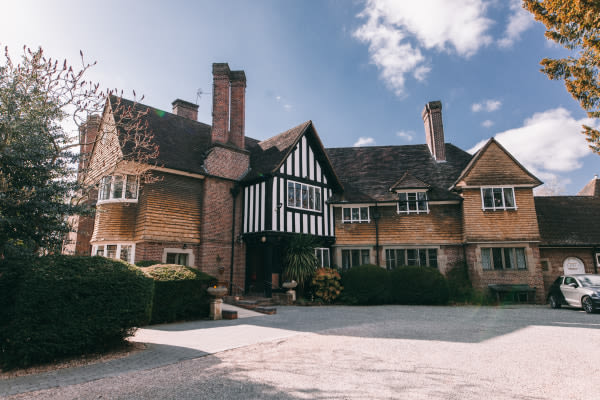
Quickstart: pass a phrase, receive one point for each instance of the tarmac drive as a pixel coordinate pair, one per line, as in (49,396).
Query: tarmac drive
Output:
(384,352)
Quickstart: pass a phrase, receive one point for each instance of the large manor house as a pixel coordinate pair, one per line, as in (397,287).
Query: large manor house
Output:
(228,204)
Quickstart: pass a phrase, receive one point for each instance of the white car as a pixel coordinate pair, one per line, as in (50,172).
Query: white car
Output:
(581,291)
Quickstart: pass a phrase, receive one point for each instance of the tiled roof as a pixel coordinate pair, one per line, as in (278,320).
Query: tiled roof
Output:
(409,182)
(568,220)
(267,156)
(182,142)
(368,173)
(591,189)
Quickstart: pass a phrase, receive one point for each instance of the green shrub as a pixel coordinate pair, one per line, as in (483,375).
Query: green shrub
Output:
(300,260)
(327,284)
(179,292)
(417,285)
(459,285)
(146,263)
(59,306)
(365,284)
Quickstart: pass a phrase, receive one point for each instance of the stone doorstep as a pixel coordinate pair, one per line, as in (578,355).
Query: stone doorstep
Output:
(266,310)
(229,314)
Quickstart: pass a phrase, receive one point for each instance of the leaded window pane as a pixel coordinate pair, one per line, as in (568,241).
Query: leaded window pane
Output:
(509,258)
(304,196)
(345,259)
(355,214)
(105,188)
(364,257)
(390,259)
(498,203)
(111,251)
(291,201)
(131,187)
(486,261)
(422,258)
(401,257)
(318,199)
(117,187)
(364,213)
(411,257)
(326,258)
(311,198)
(346,214)
(509,199)
(488,200)
(432,258)
(125,252)
(497,257)
(298,195)
(520,256)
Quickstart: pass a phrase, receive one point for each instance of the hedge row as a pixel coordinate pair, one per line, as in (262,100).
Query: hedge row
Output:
(59,306)
(371,284)
(179,292)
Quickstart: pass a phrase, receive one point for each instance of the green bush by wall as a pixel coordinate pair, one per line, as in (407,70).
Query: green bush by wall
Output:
(417,285)
(58,306)
(365,284)
(146,263)
(179,292)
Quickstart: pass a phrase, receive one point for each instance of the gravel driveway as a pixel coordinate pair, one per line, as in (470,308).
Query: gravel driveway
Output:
(404,352)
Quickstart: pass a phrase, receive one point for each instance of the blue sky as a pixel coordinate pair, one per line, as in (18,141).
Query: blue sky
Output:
(360,70)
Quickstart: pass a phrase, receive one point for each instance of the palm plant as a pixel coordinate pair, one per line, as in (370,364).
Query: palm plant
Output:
(300,259)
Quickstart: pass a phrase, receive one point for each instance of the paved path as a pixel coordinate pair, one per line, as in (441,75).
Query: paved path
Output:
(167,344)
(520,352)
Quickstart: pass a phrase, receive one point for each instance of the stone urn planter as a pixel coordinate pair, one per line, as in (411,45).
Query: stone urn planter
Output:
(217,292)
(291,286)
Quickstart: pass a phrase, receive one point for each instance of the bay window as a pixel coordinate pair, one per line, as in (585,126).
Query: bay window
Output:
(118,188)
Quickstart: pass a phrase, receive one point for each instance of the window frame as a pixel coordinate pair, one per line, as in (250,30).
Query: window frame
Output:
(312,203)
(178,250)
(103,248)
(504,256)
(503,190)
(107,187)
(361,255)
(358,220)
(416,202)
(419,251)
(321,251)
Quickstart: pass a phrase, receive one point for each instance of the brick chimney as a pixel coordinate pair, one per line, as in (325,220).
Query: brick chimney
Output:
(185,109)
(88,132)
(238,105)
(220,114)
(434,129)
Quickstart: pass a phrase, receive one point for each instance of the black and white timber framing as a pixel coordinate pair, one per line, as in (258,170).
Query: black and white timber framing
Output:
(266,207)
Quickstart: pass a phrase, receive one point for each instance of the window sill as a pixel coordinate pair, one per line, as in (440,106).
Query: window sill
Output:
(108,201)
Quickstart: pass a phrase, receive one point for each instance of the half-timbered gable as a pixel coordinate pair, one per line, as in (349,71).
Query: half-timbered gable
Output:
(289,185)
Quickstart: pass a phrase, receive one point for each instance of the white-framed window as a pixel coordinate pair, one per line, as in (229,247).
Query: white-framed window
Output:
(395,258)
(355,214)
(116,251)
(118,188)
(322,254)
(412,202)
(503,258)
(355,257)
(303,196)
(178,256)
(498,198)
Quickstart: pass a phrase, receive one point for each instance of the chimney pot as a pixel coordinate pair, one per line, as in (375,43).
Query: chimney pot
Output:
(434,130)
(185,109)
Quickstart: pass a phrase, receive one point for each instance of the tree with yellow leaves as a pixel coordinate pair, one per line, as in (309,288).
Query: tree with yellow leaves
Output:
(574,24)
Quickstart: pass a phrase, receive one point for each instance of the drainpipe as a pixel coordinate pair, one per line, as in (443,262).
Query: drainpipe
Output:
(376,217)
(234,192)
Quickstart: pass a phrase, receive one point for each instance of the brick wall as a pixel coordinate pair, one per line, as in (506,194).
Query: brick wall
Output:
(227,162)
(555,258)
(481,278)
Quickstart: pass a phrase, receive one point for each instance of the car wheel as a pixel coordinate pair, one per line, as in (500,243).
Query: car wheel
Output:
(554,303)
(587,305)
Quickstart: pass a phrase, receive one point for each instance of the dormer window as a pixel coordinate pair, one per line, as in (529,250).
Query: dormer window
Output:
(413,202)
(498,198)
(118,188)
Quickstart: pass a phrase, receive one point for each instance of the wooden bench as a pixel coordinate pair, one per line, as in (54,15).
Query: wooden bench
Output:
(518,293)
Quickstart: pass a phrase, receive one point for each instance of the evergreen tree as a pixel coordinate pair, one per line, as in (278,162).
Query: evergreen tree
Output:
(574,24)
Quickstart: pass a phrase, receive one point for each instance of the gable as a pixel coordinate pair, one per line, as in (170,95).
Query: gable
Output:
(493,165)
(106,152)
(304,162)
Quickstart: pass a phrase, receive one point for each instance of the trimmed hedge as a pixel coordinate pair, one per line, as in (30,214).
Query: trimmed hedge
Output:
(417,285)
(365,284)
(58,306)
(179,292)
(371,284)
(146,263)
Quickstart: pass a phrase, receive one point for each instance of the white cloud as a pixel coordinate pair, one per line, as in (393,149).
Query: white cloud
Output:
(287,107)
(519,20)
(486,105)
(457,27)
(364,141)
(548,143)
(487,123)
(408,135)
